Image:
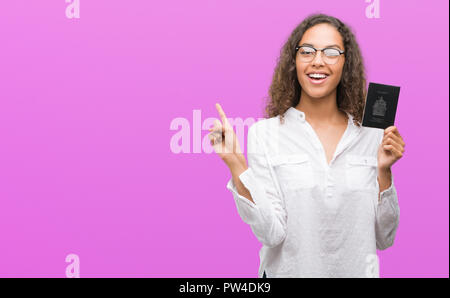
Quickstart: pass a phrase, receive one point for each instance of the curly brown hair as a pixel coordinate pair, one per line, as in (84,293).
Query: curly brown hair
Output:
(285,89)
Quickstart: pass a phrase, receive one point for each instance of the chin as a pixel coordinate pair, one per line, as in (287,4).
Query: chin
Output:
(318,94)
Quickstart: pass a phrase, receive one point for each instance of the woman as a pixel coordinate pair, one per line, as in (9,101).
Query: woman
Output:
(318,191)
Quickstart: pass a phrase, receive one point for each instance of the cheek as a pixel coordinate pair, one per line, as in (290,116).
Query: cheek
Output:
(300,72)
(337,74)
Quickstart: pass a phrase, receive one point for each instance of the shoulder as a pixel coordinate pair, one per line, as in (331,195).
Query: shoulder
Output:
(265,130)
(261,133)
(266,124)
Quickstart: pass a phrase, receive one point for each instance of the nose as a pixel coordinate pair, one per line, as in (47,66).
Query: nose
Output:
(317,60)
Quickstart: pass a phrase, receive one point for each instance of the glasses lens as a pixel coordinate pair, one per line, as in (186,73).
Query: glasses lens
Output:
(306,54)
(331,56)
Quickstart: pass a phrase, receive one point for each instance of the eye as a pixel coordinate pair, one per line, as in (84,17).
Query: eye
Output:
(331,52)
(306,51)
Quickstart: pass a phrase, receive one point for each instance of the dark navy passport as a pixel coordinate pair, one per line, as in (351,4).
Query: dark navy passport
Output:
(381,105)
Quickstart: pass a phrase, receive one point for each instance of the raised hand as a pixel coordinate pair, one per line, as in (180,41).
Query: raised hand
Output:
(391,148)
(224,140)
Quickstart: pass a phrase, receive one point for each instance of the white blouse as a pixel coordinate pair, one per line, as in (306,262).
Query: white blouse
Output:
(315,219)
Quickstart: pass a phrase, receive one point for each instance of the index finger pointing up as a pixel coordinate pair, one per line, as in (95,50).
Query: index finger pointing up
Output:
(221,113)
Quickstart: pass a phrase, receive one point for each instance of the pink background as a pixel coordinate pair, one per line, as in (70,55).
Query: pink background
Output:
(85,109)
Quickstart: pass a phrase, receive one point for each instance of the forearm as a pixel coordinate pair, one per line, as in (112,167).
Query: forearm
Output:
(237,167)
(256,197)
(387,212)
(384,179)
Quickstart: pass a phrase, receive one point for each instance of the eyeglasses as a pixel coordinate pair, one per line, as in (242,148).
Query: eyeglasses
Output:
(307,54)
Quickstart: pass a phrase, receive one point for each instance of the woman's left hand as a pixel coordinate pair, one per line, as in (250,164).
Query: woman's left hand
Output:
(391,148)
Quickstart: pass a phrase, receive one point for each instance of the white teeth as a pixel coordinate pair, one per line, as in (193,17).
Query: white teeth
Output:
(317,75)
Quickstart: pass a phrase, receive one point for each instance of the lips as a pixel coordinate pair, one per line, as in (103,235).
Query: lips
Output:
(317,77)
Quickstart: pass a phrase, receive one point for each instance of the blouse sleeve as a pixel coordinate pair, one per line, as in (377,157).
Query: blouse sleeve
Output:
(267,216)
(387,215)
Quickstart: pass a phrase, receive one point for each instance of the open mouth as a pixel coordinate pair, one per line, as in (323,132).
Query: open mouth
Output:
(317,78)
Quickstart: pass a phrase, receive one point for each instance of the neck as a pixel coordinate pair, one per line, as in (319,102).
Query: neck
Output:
(321,111)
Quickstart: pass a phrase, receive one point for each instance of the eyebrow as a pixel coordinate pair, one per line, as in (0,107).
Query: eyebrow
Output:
(328,46)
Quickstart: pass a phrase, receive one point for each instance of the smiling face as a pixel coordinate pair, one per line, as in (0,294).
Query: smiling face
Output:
(320,36)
